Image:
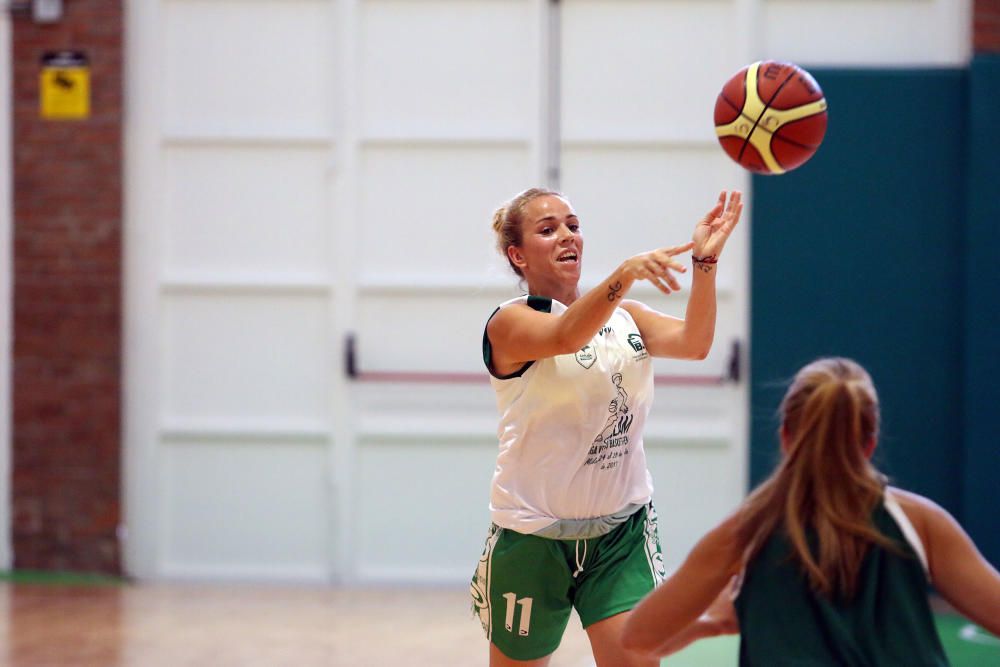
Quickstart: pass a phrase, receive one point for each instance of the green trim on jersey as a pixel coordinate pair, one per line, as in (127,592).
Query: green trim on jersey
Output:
(783,622)
(542,304)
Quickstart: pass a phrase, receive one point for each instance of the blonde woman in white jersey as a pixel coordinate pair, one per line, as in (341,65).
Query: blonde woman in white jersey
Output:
(570,500)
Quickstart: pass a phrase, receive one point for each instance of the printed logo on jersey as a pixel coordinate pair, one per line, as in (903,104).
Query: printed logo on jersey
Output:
(586,356)
(635,341)
(611,444)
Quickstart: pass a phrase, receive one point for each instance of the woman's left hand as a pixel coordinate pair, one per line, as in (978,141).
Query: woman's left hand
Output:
(711,232)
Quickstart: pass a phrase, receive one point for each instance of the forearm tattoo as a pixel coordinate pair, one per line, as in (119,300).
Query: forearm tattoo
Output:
(614,291)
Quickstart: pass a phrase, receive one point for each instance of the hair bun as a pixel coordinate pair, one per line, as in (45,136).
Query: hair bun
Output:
(498,218)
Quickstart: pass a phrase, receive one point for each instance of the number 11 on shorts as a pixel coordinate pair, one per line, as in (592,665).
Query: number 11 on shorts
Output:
(512,603)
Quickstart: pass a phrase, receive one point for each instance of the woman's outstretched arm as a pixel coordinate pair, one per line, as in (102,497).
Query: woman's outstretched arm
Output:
(670,617)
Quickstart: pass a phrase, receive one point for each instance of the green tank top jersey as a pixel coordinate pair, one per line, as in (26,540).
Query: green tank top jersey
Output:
(889,621)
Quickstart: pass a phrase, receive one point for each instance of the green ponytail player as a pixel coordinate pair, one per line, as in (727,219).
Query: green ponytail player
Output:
(828,565)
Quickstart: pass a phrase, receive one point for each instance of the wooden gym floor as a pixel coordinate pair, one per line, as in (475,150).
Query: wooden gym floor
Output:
(175,625)
(49,621)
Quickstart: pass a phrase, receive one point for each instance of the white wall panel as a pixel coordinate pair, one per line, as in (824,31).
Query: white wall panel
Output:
(247,358)
(398,410)
(447,68)
(645,69)
(867,32)
(729,324)
(425,211)
(234,510)
(423,506)
(401,330)
(244,67)
(245,210)
(635,198)
(685,416)
(695,487)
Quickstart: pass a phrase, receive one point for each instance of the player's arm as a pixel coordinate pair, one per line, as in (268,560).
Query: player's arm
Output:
(691,337)
(519,334)
(669,336)
(718,619)
(958,571)
(672,615)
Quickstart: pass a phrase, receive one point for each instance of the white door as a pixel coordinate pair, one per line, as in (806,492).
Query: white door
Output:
(299,171)
(232,301)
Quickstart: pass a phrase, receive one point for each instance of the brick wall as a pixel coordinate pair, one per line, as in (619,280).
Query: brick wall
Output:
(986,26)
(67,301)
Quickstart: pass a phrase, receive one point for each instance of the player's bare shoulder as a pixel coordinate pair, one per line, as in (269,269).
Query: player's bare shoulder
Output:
(510,315)
(909,500)
(927,517)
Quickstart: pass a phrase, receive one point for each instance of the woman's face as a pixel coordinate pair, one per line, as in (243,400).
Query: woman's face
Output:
(551,250)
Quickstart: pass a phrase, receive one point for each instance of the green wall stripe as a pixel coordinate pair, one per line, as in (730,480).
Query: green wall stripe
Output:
(854,255)
(981,260)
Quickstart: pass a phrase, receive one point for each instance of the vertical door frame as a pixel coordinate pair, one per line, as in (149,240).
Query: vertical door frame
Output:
(142,207)
(343,210)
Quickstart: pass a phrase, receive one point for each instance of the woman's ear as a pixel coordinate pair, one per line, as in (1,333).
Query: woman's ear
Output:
(869,447)
(515,256)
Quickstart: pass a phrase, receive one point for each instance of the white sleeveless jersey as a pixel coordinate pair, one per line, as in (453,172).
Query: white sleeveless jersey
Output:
(571,429)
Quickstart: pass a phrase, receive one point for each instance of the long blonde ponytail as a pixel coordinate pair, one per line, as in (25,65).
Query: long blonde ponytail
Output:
(824,491)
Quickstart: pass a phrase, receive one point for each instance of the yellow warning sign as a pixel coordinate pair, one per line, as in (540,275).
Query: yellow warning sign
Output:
(64,86)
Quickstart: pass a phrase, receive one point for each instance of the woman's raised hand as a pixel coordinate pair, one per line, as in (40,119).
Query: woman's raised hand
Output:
(657,267)
(711,232)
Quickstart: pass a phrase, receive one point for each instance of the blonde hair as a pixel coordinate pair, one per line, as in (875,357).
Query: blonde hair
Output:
(508,219)
(825,483)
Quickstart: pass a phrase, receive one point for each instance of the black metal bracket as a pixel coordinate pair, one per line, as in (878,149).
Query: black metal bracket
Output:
(732,375)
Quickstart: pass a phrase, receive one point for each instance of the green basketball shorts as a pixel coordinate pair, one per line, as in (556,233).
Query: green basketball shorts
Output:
(525,586)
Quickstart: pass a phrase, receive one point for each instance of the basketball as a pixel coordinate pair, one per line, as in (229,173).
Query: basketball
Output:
(770,117)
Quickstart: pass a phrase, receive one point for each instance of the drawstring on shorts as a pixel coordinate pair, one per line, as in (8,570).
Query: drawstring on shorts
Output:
(579,561)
